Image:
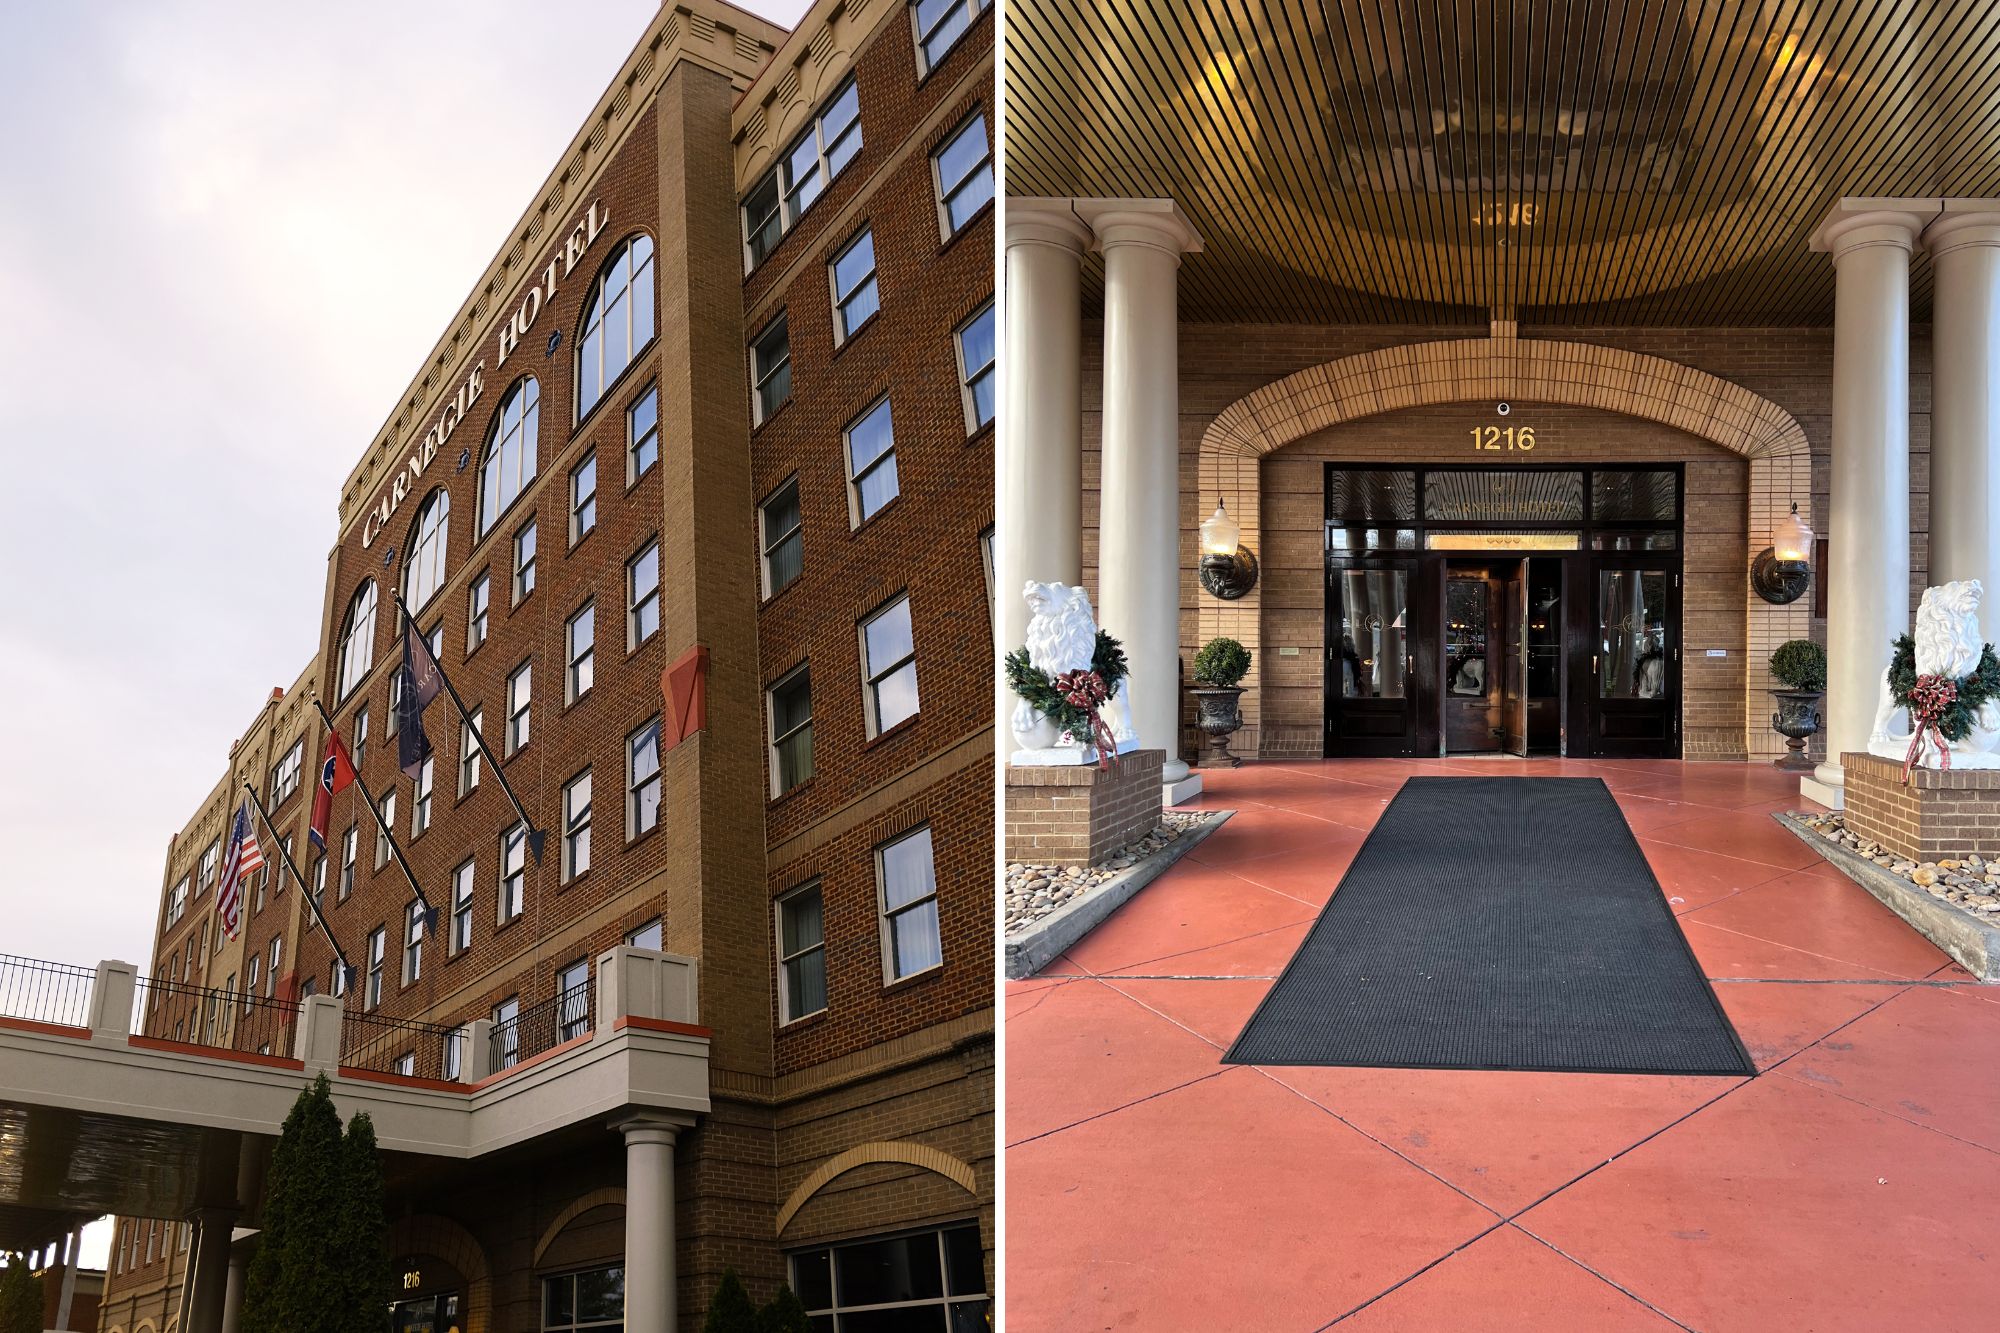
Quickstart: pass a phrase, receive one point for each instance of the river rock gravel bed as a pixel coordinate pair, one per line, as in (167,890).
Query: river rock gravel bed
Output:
(1035,891)
(1971,883)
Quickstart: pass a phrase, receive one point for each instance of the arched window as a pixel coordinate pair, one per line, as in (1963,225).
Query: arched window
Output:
(357,638)
(423,567)
(510,452)
(617,321)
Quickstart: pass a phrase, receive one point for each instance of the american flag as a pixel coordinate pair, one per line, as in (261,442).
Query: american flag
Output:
(242,858)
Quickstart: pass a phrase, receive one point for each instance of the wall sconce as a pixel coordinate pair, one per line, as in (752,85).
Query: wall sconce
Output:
(1228,570)
(1783,570)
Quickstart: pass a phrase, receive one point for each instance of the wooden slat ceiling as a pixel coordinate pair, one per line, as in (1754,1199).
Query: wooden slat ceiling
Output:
(1601,162)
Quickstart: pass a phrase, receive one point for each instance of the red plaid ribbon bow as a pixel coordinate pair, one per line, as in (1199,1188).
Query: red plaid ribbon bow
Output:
(1928,701)
(1086,690)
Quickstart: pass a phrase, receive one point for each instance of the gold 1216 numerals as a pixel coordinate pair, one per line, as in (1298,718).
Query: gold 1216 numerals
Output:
(1495,439)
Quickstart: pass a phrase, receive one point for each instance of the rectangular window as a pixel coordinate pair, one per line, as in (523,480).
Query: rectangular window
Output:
(642,434)
(382,832)
(210,869)
(360,736)
(250,981)
(582,499)
(820,153)
(468,751)
(889,661)
(642,779)
(928,1279)
(285,777)
(977,384)
(908,878)
(573,1000)
(647,936)
(378,946)
(801,954)
(791,731)
(782,537)
(642,596)
(964,168)
(520,696)
(855,298)
(507,1032)
(871,462)
(350,846)
(277,961)
(413,944)
(461,907)
(337,981)
(406,1064)
(940,23)
(513,872)
(986,562)
(771,369)
(319,877)
(524,563)
(454,1056)
(420,813)
(580,638)
(177,902)
(576,826)
(593,1300)
(478,602)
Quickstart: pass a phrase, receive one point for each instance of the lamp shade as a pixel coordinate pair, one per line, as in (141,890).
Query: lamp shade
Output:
(1221,534)
(1791,539)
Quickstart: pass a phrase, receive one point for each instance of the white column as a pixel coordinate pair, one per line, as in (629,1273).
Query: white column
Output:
(1039,471)
(1139,521)
(651,1262)
(232,1296)
(1868,526)
(72,1245)
(1964,242)
(208,1270)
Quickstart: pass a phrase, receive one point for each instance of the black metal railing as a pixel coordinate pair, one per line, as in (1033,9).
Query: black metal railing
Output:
(405,1046)
(222,1019)
(44,992)
(541,1027)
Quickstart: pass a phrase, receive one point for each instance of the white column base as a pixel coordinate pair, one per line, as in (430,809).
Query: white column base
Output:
(1181,792)
(1826,784)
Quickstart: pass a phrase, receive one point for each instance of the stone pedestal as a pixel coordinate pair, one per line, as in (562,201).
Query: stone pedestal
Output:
(1078,815)
(1942,813)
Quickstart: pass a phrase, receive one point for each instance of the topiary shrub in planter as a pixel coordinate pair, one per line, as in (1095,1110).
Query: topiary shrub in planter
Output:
(1799,666)
(1219,669)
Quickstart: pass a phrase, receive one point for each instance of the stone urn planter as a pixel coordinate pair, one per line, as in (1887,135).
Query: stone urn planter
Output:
(1800,669)
(1218,716)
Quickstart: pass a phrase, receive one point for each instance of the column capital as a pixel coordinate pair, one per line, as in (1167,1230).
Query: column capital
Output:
(661,1127)
(1860,223)
(1155,223)
(1051,222)
(1961,223)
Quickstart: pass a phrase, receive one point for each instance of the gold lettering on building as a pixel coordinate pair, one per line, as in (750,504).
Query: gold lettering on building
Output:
(574,247)
(421,454)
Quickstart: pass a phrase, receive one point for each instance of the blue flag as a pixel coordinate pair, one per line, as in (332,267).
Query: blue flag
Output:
(422,679)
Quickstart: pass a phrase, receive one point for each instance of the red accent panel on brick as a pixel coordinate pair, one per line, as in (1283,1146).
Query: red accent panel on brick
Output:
(685,686)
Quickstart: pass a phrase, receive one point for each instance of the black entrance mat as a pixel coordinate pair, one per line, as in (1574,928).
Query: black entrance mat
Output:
(1497,923)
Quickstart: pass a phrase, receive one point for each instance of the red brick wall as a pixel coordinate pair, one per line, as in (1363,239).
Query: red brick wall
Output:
(1939,813)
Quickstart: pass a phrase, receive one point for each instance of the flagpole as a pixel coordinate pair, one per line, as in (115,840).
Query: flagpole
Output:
(346,968)
(375,812)
(535,836)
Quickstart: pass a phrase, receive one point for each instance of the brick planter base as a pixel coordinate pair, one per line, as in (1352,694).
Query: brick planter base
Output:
(1943,812)
(1078,815)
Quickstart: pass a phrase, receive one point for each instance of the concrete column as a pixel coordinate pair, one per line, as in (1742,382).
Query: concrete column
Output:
(1138,527)
(208,1270)
(1868,527)
(1038,474)
(232,1295)
(652,1266)
(1964,242)
(72,1245)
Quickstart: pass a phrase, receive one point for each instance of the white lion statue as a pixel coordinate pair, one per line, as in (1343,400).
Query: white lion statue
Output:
(1062,636)
(1948,645)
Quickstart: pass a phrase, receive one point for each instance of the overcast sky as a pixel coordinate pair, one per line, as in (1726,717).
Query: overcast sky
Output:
(230,231)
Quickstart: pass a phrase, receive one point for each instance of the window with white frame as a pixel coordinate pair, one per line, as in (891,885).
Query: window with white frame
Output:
(507,1031)
(791,730)
(388,808)
(513,872)
(469,732)
(649,935)
(855,297)
(908,879)
(337,981)
(350,847)
(642,596)
(576,826)
(277,961)
(423,566)
(319,877)
(977,383)
(209,870)
(360,749)
(771,369)
(177,902)
(642,779)
(889,664)
(454,1055)
(781,533)
(642,434)
(986,563)
(801,954)
(509,461)
(932,1279)
(461,907)
(290,770)
(939,24)
(250,981)
(420,810)
(593,1300)
(378,949)
(582,499)
(406,1064)
(413,943)
(520,697)
(811,163)
(617,322)
(524,562)
(478,602)
(964,171)
(573,1000)
(871,462)
(394,725)
(580,651)
(357,639)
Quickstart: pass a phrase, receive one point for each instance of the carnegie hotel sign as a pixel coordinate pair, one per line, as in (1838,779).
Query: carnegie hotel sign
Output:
(574,247)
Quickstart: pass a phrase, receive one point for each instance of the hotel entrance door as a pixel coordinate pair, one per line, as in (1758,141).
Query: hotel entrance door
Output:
(1501,625)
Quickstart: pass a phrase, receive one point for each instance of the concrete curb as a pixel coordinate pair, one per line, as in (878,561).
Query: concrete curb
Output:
(1973,944)
(1048,939)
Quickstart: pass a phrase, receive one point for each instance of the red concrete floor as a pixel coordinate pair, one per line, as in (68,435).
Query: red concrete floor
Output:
(1854,1184)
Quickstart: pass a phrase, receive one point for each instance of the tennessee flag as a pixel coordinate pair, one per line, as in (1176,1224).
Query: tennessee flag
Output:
(335,773)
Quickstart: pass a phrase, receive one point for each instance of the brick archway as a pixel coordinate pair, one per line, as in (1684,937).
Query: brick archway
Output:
(428,1233)
(1570,374)
(910,1154)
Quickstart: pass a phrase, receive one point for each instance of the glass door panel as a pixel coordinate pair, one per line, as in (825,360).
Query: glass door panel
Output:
(1368,659)
(1635,704)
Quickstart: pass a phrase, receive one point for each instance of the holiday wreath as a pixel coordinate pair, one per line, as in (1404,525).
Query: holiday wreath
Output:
(1071,698)
(1944,708)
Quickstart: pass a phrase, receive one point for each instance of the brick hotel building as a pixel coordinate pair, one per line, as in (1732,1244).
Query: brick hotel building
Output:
(693,501)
